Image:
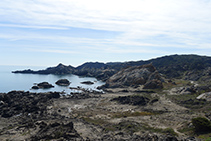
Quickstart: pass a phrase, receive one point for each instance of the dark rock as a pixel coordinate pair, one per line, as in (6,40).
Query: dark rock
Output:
(45,85)
(51,95)
(153,84)
(20,102)
(132,100)
(35,87)
(63,82)
(192,139)
(193,103)
(87,82)
(154,100)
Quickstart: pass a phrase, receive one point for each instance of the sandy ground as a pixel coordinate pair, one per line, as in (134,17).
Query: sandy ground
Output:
(103,108)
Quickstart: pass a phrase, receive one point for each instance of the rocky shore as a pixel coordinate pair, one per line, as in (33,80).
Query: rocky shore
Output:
(133,115)
(163,99)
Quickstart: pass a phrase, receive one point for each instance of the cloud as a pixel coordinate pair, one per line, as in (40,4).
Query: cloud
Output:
(54,51)
(143,25)
(31,26)
(126,16)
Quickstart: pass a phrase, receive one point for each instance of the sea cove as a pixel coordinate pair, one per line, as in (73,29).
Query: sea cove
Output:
(15,81)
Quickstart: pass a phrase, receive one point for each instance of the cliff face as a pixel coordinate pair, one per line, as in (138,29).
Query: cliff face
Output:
(145,75)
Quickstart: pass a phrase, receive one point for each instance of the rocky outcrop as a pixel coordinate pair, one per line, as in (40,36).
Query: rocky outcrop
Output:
(145,75)
(87,82)
(206,96)
(63,82)
(132,100)
(153,84)
(56,131)
(20,102)
(29,119)
(43,85)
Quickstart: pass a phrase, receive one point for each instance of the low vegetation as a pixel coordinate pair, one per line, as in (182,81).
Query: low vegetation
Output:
(131,114)
(201,125)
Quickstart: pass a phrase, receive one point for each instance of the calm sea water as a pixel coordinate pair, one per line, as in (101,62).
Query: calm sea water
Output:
(10,81)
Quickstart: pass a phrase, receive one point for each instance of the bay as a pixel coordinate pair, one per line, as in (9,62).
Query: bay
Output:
(12,81)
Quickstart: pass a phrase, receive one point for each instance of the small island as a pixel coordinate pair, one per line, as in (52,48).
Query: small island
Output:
(63,82)
(87,82)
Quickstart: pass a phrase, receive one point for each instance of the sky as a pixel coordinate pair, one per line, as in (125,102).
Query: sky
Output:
(72,32)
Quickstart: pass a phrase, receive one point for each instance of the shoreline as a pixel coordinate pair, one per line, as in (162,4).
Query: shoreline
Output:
(91,116)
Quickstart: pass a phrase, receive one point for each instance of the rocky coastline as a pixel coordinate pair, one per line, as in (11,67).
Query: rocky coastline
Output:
(189,67)
(49,116)
(143,100)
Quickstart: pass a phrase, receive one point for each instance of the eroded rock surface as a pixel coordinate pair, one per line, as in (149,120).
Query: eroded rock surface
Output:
(20,102)
(136,76)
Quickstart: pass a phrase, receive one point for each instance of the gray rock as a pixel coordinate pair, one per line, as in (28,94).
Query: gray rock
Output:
(206,96)
(135,76)
(63,82)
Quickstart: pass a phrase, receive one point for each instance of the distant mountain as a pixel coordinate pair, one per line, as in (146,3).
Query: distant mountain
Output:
(59,69)
(193,67)
(174,65)
(92,65)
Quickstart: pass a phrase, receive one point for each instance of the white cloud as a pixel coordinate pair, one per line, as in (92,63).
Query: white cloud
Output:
(180,22)
(118,15)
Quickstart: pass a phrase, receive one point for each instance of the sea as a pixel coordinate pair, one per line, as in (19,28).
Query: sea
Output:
(23,82)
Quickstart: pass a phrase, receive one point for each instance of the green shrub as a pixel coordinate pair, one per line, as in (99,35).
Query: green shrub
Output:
(201,124)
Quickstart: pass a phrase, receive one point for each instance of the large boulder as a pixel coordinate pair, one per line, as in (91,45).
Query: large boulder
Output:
(63,82)
(136,76)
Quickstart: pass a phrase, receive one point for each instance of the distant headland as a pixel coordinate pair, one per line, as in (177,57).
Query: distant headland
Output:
(190,67)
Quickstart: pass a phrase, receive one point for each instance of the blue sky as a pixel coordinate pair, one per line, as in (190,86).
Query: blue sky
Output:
(48,32)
